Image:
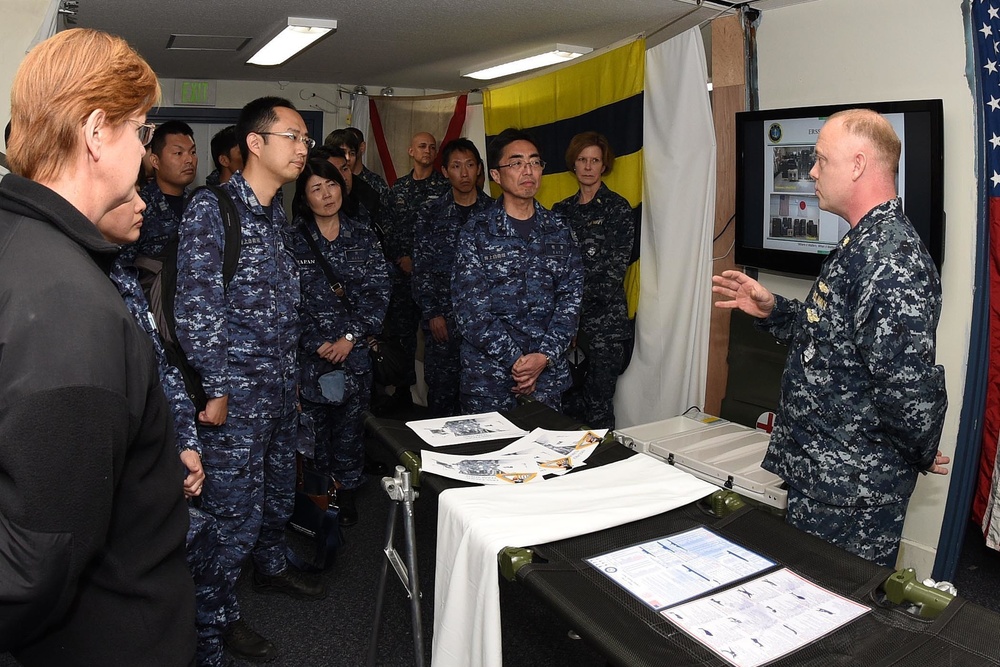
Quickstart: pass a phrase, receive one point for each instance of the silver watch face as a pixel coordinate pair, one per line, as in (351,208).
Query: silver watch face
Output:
(349,337)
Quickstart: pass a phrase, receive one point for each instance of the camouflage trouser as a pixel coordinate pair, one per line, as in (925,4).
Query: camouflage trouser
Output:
(340,441)
(212,590)
(593,403)
(250,490)
(870,532)
(442,368)
(473,405)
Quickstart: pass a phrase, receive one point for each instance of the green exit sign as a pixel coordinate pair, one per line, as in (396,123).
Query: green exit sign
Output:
(195,93)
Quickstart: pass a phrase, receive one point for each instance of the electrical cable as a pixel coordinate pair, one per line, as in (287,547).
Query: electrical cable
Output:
(723,231)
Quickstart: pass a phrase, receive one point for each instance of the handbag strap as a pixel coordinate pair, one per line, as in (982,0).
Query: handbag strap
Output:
(312,238)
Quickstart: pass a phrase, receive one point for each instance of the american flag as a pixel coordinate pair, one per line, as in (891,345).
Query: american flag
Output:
(986,27)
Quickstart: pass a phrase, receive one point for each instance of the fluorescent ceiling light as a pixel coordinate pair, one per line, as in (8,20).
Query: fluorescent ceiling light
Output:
(553,55)
(299,34)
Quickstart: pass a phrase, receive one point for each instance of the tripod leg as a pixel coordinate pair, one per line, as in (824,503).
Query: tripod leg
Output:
(380,593)
(409,533)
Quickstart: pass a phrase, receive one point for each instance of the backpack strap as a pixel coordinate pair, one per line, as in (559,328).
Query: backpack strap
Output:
(232,242)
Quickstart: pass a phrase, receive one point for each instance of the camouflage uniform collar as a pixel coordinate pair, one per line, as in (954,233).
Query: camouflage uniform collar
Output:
(239,187)
(887,210)
(602,191)
(152,189)
(501,226)
(481,199)
(156,198)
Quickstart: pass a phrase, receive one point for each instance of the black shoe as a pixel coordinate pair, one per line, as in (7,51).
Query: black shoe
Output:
(291,582)
(241,640)
(347,502)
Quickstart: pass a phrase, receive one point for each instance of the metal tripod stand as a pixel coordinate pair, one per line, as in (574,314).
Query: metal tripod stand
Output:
(400,491)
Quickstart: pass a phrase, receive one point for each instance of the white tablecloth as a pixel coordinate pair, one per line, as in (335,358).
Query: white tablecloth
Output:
(474,524)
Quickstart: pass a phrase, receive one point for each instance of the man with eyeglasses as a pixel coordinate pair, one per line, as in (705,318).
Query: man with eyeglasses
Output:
(242,339)
(516,288)
(96,573)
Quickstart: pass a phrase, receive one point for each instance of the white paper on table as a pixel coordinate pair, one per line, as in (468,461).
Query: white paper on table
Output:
(558,452)
(467,428)
(762,620)
(491,468)
(671,569)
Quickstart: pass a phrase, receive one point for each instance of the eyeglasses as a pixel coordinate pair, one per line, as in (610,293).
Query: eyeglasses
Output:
(143,130)
(517,165)
(309,142)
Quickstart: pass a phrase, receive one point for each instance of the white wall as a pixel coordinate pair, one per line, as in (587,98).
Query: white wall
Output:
(21,20)
(833,51)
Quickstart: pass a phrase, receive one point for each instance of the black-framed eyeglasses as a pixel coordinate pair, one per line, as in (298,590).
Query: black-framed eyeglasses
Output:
(308,141)
(144,131)
(516,165)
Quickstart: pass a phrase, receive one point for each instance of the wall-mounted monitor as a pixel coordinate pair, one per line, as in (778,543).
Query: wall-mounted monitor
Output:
(779,225)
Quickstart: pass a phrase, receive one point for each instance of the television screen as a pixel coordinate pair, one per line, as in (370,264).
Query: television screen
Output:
(779,226)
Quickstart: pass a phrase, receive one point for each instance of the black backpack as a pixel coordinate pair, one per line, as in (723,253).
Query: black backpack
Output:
(159,282)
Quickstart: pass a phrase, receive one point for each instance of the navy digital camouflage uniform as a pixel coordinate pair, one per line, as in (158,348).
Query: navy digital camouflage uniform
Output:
(243,340)
(406,197)
(212,590)
(355,257)
(862,401)
(513,297)
(159,222)
(605,231)
(434,239)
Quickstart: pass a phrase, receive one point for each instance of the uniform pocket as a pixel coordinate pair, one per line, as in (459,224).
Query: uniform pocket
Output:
(228,481)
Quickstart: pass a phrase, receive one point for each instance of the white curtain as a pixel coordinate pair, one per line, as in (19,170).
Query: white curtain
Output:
(360,120)
(402,117)
(669,363)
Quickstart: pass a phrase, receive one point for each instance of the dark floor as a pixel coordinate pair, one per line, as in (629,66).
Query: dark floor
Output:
(336,631)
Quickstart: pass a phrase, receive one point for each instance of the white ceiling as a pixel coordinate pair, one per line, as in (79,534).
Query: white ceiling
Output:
(378,43)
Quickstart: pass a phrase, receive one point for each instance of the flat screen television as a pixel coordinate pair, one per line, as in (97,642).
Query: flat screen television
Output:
(779,226)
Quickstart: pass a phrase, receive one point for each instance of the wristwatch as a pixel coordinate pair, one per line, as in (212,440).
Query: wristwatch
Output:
(349,337)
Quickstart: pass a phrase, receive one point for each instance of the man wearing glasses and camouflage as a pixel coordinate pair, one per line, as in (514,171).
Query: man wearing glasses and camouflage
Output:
(516,288)
(92,519)
(242,339)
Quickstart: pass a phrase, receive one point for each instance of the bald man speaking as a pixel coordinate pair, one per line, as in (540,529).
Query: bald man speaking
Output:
(862,401)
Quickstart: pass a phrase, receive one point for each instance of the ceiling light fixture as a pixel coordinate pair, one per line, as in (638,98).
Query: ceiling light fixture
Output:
(299,34)
(549,55)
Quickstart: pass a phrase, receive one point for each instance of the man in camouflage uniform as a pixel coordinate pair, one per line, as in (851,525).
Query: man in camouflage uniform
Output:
(175,164)
(407,196)
(363,172)
(243,341)
(602,222)
(516,288)
(862,402)
(212,589)
(225,155)
(344,145)
(434,240)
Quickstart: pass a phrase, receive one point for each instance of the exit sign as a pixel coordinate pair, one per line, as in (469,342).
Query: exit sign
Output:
(194,93)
